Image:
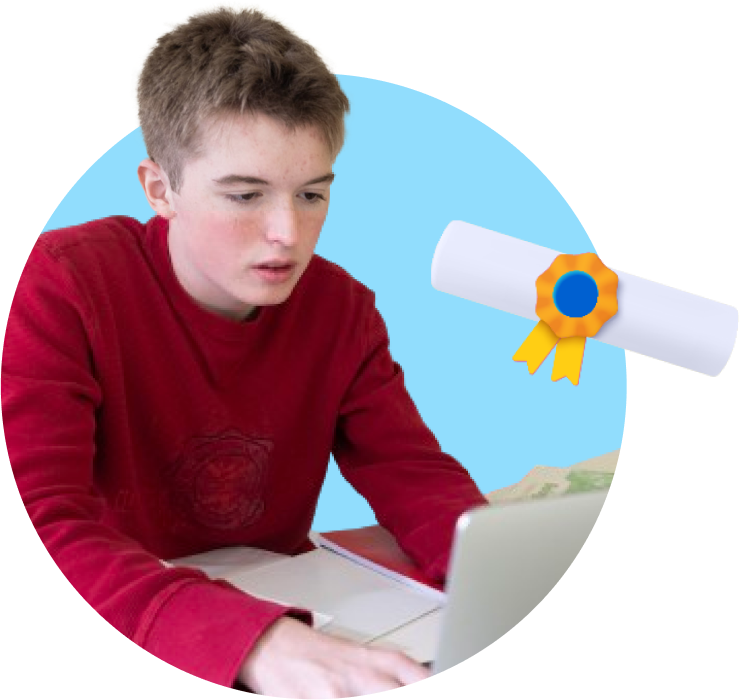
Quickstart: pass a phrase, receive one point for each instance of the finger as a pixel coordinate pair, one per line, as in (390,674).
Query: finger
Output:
(413,673)
(405,669)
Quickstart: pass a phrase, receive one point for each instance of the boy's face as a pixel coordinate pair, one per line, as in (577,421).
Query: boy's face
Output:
(249,213)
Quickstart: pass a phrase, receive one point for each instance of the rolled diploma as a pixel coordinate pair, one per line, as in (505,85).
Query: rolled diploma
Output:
(500,271)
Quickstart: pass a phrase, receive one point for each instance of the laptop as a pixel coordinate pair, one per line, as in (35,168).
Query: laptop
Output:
(505,559)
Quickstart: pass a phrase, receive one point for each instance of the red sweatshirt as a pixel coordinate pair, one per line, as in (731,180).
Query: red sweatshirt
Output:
(141,427)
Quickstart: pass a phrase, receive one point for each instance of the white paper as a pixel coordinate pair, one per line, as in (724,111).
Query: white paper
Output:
(228,562)
(363,604)
(418,639)
(218,563)
(667,324)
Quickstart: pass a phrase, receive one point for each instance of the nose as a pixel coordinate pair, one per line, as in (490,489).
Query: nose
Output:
(281,226)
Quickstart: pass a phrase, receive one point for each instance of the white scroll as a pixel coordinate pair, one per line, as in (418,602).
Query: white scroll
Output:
(661,322)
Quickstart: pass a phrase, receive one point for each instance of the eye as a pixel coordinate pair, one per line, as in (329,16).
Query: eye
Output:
(242,198)
(314,197)
(310,197)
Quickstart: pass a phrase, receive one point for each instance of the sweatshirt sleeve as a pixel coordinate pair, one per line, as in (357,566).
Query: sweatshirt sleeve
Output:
(50,399)
(387,453)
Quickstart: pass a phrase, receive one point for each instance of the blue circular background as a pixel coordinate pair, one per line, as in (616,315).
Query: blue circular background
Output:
(575,294)
(410,165)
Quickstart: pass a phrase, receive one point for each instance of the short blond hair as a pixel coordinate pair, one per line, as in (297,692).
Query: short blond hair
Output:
(226,62)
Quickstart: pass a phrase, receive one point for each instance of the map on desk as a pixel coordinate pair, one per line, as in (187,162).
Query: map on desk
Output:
(547,482)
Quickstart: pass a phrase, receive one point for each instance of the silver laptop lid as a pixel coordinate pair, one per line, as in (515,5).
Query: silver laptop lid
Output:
(505,560)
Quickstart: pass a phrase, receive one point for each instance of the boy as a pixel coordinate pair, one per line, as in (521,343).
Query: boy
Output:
(178,386)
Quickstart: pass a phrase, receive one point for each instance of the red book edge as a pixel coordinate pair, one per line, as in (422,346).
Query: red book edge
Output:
(376,548)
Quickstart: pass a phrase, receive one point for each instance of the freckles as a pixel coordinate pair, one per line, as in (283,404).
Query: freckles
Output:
(241,226)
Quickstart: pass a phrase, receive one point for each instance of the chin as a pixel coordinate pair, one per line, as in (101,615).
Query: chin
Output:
(272,297)
(259,293)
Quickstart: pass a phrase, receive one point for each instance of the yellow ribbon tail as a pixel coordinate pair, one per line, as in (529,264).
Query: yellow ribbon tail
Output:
(536,347)
(568,359)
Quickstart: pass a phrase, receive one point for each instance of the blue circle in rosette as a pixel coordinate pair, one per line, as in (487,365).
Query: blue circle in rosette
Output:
(575,294)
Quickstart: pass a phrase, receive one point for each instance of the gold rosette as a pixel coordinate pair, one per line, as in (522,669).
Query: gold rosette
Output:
(576,296)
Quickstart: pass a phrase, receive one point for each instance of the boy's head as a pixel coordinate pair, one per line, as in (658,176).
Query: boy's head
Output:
(224,63)
(242,121)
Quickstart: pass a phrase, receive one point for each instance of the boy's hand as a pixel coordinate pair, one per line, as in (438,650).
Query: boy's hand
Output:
(291,660)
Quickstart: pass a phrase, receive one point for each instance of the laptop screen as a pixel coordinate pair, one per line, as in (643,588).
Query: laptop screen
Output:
(505,559)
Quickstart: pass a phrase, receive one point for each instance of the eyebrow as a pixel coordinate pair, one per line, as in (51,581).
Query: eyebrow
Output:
(251,180)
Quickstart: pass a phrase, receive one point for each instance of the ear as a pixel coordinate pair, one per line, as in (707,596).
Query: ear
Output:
(157,188)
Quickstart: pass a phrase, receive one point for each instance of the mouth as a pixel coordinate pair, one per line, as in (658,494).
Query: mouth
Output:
(275,270)
(276,265)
